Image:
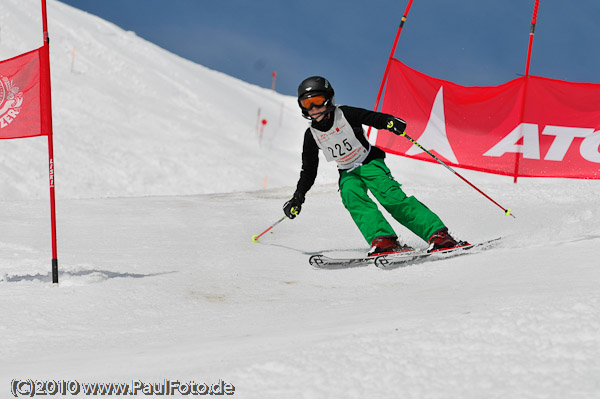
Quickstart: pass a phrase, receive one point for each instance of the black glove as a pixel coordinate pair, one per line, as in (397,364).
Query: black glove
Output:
(293,207)
(396,126)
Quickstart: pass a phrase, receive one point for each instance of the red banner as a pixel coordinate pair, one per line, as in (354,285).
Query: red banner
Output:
(532,127)
(23,109)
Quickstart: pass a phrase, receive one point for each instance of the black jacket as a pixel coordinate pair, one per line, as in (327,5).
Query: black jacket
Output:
(356,117)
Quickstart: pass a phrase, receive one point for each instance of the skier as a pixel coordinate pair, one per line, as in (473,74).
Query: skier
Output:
(338,132)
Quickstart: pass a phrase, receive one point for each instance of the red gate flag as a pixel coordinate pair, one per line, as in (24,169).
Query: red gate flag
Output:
(553,126)
(23,91)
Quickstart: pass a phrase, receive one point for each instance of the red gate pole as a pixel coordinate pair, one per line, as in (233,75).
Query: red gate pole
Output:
(47,116)
(387,67)
(531,33)
(528,63)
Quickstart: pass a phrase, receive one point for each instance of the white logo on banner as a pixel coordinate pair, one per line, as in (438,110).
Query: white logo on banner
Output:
(434,137)
(564,136)
(11,100)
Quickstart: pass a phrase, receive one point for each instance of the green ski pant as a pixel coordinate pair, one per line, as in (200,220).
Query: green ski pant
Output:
(376,177)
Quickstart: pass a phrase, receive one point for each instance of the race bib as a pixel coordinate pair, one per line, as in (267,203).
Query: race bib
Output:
(340,144)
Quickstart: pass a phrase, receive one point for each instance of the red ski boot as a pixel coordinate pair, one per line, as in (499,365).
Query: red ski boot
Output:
(442,240)
(387,245)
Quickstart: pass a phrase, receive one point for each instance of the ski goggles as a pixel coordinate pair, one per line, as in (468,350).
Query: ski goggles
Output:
(316,101)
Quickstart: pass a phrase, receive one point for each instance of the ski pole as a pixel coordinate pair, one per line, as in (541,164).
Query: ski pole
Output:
(294,211)
(507,211)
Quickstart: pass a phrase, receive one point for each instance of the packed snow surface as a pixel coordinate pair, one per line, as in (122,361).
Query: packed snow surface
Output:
(164,172)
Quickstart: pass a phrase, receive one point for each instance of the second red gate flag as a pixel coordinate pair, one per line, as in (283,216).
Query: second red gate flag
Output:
(552,125)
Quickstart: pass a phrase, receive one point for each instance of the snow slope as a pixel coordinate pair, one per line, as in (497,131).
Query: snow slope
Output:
(160,178)
(132,119)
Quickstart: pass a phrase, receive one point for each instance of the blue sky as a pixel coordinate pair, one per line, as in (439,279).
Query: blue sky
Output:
(469,42)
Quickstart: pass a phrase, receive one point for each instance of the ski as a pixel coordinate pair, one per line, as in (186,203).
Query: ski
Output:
(392,262)
(320,261)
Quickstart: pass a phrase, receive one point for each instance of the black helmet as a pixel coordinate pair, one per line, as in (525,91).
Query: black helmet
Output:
(316,86)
